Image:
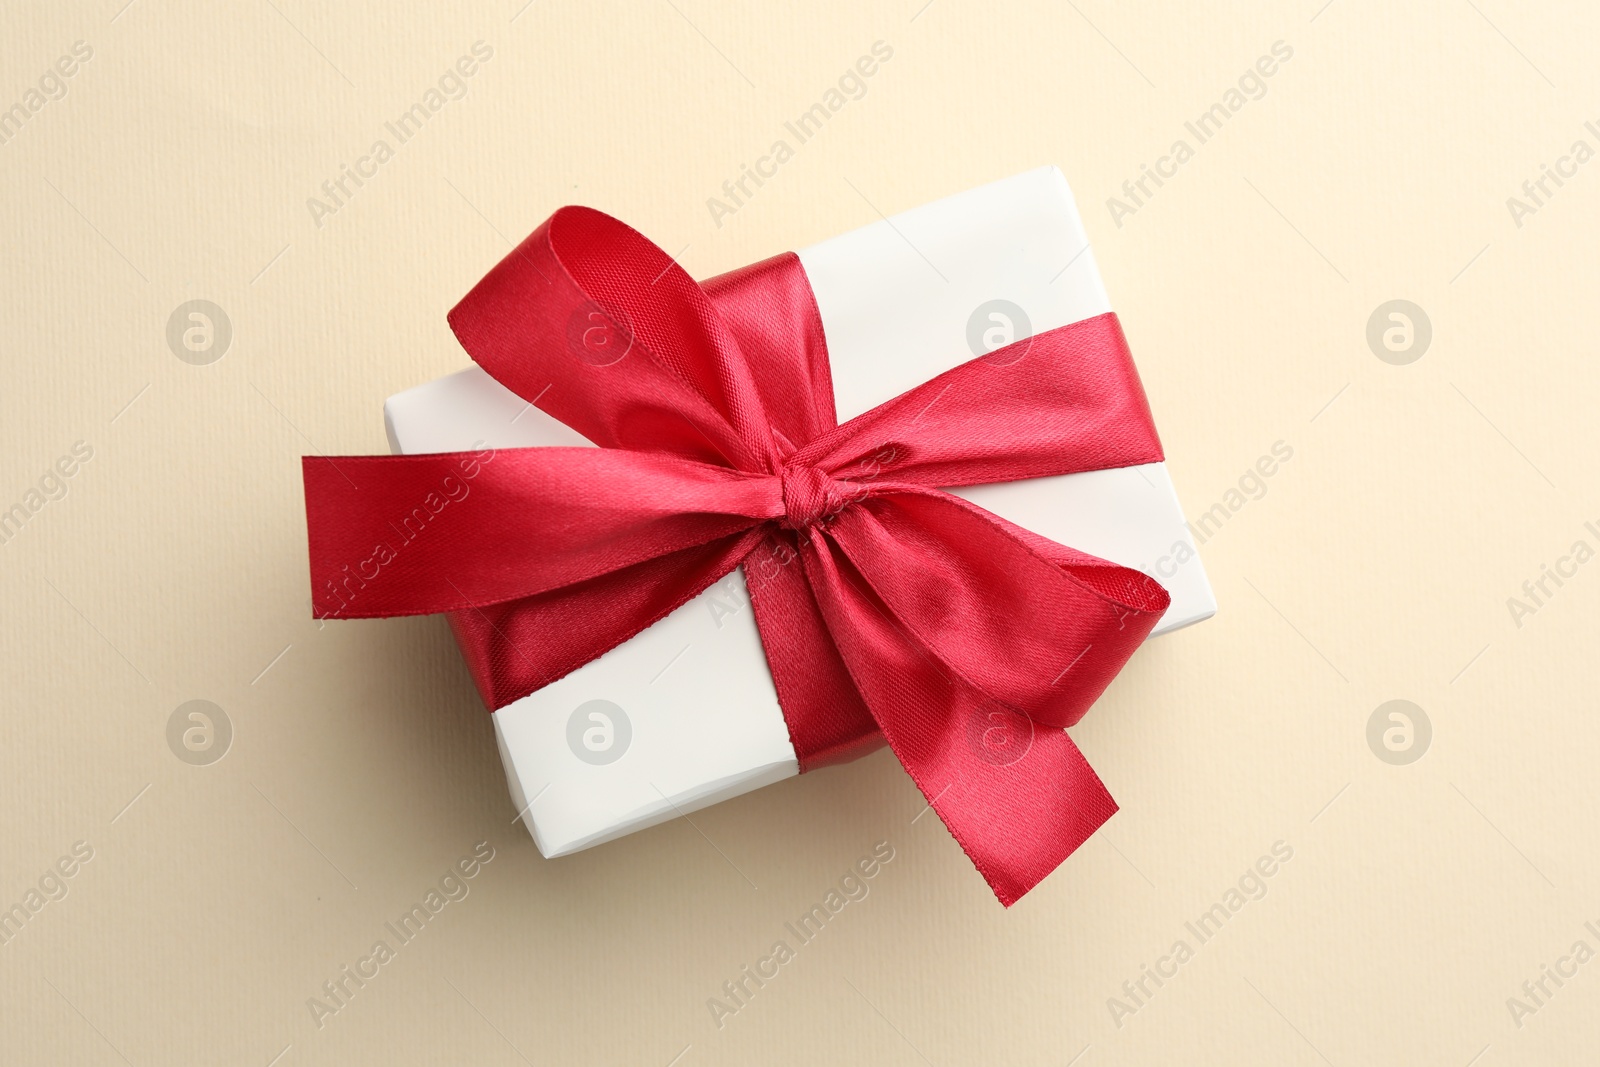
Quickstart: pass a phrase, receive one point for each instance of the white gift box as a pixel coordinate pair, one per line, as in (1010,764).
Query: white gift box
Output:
(685,714)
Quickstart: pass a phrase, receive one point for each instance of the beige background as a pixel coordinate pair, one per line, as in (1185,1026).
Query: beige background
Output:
(1376,566)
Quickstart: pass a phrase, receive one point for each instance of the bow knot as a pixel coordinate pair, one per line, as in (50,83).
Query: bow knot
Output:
(811,496)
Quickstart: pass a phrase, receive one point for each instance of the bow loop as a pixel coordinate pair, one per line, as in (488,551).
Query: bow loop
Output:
(592,322)
(1032,631)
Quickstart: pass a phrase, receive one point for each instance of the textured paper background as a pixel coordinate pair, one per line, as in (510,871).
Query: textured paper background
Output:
(1376,565)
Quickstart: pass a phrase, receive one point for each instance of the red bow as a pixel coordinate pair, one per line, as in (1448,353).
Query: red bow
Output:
(889,610)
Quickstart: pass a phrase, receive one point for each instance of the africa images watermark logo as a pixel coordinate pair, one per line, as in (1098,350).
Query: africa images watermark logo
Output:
(351,178)
(49,87)
(1136,993)
(999,735)
(1536,993)
(1251,85)
(1399,332)
(1538,191)
(599,732)
(50,486)
(453,488)
(452,887)
(853,887)
(50,887)
(199,332)
(595,338)
(852,85)
(199,732)
(1399,732)
(994,330)
(1540,589)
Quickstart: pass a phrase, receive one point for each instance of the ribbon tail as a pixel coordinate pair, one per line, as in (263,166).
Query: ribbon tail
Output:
(1017,796)
(415,535)
(828,723)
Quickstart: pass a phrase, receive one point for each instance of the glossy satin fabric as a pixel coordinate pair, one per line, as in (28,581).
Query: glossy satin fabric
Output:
(889,610)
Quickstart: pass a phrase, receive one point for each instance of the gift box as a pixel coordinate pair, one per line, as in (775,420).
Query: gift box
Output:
(685,714)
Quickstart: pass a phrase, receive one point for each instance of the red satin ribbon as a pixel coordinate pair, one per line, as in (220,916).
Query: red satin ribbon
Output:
(890,611)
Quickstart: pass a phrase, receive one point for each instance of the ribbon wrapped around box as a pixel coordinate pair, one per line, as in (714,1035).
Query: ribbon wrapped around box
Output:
(898,478)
